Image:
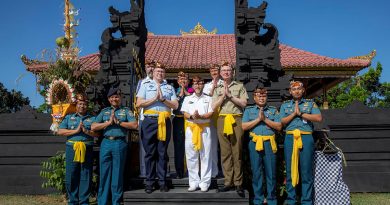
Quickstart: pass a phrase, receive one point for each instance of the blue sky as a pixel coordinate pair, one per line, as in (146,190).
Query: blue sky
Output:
(333,28)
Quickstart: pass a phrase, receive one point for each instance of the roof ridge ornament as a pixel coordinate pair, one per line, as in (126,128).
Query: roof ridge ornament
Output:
(198,30)
(369,56)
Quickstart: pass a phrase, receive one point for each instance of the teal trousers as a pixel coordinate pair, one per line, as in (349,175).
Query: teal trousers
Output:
(112,165)
(263,161)
(78,176)
(306,177)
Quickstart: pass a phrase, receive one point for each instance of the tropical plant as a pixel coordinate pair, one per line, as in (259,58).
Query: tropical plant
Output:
(11,101)
(53,171)
(366,88)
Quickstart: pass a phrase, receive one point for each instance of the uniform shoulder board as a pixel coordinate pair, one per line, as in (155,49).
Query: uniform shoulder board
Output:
(250,106)
(107,108)
(287,101)
(309,100)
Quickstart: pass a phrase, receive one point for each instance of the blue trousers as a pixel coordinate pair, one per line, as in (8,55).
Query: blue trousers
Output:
(156,151)
(112,165)
(263,160)
(305,169)
(78,176)
(142,168)
(179,144)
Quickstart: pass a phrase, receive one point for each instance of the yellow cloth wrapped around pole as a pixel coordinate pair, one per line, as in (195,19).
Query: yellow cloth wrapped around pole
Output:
(197,130)
(297,145)
(79,151)
(162,129)
(228,123)
(259,140)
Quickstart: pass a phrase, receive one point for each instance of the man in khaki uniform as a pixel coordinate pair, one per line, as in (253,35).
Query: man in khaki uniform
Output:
(231,98)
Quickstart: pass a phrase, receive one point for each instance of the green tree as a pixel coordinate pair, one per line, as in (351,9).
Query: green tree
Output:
(11,101)
(366,88)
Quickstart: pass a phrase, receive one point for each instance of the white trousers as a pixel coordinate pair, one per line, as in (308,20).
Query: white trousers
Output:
(195,157)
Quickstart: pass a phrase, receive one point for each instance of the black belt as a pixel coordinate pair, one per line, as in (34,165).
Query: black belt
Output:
(151,117)
(114,137)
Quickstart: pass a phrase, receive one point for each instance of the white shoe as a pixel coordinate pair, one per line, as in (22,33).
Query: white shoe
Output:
(204,189)
(191,189)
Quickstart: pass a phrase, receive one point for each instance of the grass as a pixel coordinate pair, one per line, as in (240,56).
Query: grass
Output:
(50,199)
(370,198)
(54,199)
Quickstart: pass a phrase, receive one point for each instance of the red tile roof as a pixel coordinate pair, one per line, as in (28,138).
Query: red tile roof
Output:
(198,52)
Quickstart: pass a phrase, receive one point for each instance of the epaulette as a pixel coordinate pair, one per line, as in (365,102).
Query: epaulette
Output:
(251,106)
(107,108)
(309,100)
(287,101)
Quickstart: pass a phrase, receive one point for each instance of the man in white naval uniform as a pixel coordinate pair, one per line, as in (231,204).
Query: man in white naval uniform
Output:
(197,111)
(209,90)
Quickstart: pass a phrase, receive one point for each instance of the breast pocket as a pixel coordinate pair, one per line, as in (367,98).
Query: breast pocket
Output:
(73,124)
(106,117)
(167,93)
(288,110)
(151,91)
(235,92)
(121,116)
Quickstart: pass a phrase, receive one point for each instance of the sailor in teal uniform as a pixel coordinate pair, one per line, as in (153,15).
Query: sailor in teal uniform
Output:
(298,115)
(79,147)
(115,121)
(262,121)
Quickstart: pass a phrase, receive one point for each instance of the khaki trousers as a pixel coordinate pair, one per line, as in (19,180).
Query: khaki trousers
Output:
(231,152)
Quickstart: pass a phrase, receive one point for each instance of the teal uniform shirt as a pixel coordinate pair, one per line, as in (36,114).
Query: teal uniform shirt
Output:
(72,121)
(270,112)
(123,114)
(307,106)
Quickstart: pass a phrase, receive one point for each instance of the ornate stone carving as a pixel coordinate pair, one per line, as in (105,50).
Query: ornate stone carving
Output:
(123,44)
(258,53)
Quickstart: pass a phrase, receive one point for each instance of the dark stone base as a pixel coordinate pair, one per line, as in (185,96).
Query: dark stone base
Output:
(180,196)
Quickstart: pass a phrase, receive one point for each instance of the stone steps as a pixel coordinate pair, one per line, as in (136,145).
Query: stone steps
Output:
(178,194)
(181,196)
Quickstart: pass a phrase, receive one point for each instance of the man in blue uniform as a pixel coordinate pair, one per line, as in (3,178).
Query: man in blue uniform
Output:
(298,115)
(115,122)
(149,75)
(79,147)
(262,121)
(157,98)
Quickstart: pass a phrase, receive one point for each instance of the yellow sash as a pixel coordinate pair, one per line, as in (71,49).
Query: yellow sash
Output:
(162,129)
(297,145)
(79,151)
(197,130)
(259,140)
(228,123)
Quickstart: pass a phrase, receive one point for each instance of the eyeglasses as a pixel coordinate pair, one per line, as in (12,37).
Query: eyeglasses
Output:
(260,94)
(198,83)
(225,70)
(296,88)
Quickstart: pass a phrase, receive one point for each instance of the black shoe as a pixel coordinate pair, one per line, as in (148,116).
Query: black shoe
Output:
(148,190)
(240,191)
(179,176)
(224,189)
(164,188)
